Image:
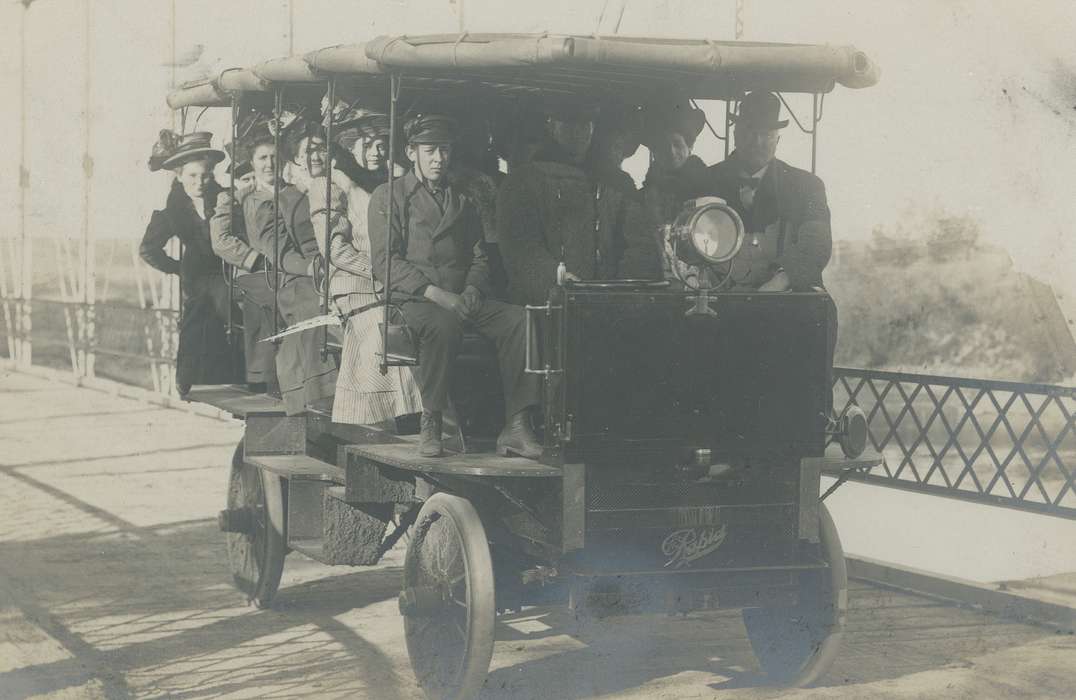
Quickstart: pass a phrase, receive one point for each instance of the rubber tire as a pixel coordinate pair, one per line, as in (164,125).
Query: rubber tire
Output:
(796,646)
(262,588)
(481,612)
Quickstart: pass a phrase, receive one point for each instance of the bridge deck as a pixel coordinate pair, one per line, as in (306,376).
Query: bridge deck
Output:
(114,583)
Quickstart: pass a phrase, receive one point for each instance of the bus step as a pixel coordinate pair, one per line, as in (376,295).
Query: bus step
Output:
(298,467)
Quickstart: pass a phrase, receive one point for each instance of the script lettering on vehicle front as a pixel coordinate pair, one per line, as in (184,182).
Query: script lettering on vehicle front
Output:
(685,546)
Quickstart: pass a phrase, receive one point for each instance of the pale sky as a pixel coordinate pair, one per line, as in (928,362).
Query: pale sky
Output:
(974,111)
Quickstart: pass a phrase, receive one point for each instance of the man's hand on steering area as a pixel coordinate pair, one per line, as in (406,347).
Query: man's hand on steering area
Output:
(777,283)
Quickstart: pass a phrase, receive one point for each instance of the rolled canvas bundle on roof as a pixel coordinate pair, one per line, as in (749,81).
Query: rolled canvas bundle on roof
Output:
(700,68)
(287,70)
(216,92)
(621,67)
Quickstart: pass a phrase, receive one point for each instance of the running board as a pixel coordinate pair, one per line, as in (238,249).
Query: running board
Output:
(298,467)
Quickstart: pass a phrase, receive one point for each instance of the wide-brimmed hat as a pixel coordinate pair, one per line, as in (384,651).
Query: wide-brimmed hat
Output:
(760,110)
(676,117)
(430,129)
(193,146)
(372,125)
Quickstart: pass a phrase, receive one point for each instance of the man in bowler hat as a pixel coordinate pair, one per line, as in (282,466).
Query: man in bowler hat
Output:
(437,256)
(784,210)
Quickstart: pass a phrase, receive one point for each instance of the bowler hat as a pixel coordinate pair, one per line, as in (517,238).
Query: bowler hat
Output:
(193,146)
(760,110)
(430,129)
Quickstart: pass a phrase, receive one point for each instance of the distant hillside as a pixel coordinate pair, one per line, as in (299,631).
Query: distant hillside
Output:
(946,304)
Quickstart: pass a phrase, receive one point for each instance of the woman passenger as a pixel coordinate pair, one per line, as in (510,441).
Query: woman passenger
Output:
(675,176)
(363,394)
(204,355)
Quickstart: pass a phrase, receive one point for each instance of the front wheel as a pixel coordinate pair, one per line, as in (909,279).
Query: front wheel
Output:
(796,645)
(448,599)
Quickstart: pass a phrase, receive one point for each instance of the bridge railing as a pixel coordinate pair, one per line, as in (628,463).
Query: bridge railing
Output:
(1003,443)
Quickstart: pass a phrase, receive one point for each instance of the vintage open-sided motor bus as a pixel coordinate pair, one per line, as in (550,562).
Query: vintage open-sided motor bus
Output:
(685,430)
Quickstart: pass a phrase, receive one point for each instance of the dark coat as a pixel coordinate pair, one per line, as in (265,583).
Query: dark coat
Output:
(179,219)
(549,212)
(428,246)
(790,218)
(204,355)
(664,193)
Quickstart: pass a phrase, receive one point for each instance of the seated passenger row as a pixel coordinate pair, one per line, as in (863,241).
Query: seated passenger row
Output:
(566,203)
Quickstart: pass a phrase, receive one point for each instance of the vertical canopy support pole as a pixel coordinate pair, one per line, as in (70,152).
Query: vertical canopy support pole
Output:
(229,271)
(815,118)
(331,96)
(728,121)
(278,166)
(394,94)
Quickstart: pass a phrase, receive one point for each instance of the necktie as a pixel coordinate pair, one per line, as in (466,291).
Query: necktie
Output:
(748,187)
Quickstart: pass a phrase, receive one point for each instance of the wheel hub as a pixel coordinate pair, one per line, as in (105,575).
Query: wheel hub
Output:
(239,520)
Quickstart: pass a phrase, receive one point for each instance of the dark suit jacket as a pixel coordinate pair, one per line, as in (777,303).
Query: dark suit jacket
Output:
(428,246)
(791,203)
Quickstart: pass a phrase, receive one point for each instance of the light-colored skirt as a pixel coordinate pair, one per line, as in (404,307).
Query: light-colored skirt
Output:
(363,394)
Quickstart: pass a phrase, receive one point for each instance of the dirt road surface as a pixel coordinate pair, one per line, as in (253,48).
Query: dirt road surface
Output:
(114,584)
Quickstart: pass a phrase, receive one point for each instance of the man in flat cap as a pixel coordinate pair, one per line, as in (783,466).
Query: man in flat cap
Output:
(555,209)
(436,255)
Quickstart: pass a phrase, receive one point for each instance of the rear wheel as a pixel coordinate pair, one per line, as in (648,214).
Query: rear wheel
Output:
(448,599)
(796,645)
(255,530)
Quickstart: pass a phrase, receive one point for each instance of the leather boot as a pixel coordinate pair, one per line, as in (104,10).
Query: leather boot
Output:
(518,438)
(429,438)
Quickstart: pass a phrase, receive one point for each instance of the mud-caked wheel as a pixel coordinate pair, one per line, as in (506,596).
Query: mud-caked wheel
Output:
(254,530)
(796,645)
(448,599)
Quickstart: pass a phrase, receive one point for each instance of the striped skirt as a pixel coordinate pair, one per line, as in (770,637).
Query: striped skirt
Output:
(363,394)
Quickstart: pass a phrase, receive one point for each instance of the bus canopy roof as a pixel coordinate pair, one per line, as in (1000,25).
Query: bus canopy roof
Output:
(622,68)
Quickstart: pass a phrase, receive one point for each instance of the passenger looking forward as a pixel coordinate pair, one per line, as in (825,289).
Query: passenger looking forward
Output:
(555,210)
(438,264)
(783,208)
(204,355)
(363,394)
(675,177)
(305,378)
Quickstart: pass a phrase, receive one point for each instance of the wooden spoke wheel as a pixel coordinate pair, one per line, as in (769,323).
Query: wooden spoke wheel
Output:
(796,645)
(254,530)
(448,599)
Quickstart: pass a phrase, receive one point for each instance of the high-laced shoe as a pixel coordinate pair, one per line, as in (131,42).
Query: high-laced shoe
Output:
(429,437)
(518,438)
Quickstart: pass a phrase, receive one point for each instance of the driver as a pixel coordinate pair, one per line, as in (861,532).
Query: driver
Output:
(554,210)
(437,256)
(783,208)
